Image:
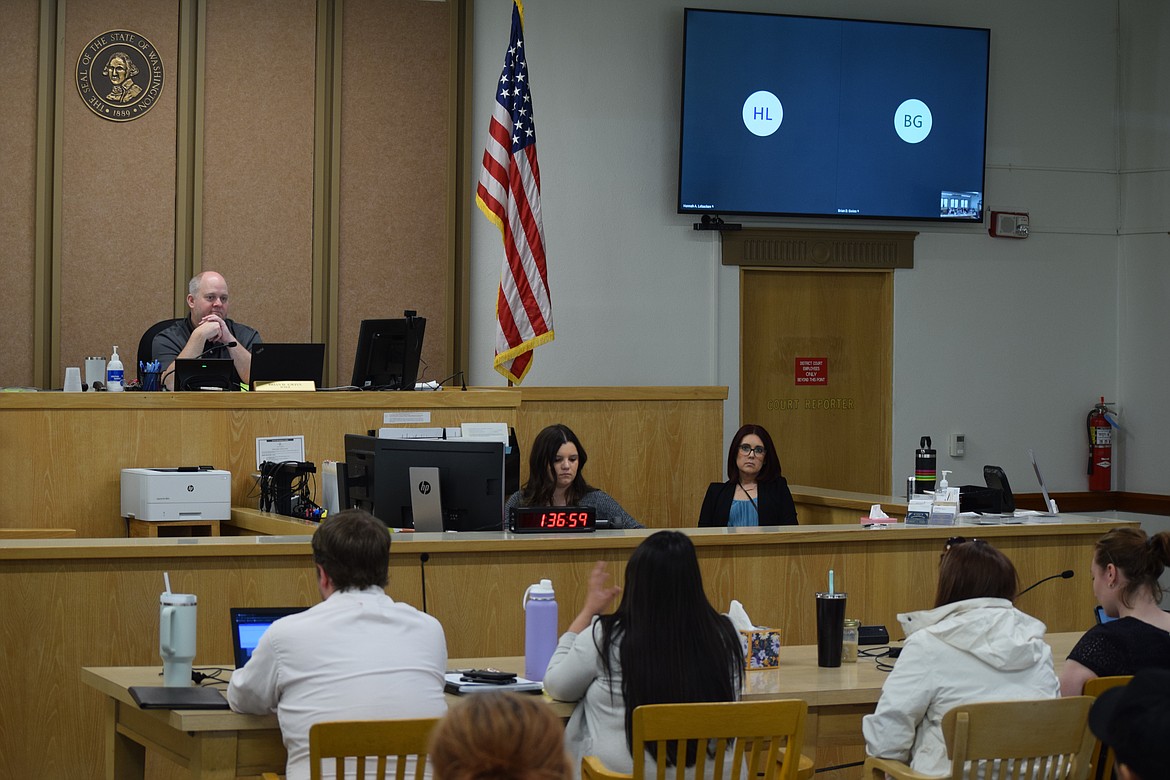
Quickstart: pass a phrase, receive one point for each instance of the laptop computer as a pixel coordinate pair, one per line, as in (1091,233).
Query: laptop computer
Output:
(1049,505)
(273,362)
(204,374)
(250,623)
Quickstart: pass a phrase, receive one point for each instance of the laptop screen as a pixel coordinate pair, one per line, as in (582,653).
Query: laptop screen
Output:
(272,362)
(250,623)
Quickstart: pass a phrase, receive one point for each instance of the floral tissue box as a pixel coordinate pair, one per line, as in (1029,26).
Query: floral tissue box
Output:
(761,648)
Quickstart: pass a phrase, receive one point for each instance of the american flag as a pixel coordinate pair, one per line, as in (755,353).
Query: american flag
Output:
(508,194)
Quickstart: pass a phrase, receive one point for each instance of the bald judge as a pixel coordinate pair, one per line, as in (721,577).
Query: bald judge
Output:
(207,332)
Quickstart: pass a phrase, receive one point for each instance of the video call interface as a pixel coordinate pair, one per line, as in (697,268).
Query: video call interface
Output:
(798,115)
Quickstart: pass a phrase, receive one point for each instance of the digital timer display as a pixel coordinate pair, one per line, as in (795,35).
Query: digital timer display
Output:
(559,519)
(563,519)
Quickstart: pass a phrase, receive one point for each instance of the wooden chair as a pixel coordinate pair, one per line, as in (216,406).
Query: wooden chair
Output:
(1101,762)
(1047,739)
(768,737)
(381,739)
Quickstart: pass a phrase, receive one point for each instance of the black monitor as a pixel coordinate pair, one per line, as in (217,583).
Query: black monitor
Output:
(471,479)
(205,374)
(388,352)
(273,362)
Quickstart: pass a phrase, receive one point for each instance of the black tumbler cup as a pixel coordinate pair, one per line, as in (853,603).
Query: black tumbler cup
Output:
(830,628)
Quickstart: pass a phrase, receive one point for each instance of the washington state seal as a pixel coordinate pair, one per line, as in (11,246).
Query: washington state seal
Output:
(119,75)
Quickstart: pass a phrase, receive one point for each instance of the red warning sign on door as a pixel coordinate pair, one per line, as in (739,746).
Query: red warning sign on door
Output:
(812,371)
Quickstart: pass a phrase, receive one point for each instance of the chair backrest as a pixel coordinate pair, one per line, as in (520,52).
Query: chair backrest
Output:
(1101,762)
(403,740)
(759,730)
(146,343)
(1047,738)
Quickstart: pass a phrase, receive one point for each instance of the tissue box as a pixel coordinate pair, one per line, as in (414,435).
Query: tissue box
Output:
(761,648)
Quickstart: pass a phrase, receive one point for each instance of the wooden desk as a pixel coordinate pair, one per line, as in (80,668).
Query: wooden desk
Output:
(68,449)
(72,603)
(220,745)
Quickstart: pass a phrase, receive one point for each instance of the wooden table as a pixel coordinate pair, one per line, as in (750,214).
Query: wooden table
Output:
(102,596)
(219,745)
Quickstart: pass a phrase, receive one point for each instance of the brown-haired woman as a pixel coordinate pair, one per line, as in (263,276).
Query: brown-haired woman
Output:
(755,493)
(500,736)
(973,646)
(555,478)
(1125,569)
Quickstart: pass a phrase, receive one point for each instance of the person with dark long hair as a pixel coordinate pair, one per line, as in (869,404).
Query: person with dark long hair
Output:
(665,643)
(555,463)
(755,492)
(1125,569)
(973,646)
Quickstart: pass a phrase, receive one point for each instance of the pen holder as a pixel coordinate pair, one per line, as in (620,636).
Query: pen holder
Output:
(150,380)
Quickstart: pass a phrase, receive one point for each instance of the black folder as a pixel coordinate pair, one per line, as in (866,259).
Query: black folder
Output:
(190,698)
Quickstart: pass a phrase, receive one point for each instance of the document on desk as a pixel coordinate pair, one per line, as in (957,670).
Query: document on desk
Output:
(458,684)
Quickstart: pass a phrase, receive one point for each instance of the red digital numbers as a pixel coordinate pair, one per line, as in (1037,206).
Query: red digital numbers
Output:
(563,520)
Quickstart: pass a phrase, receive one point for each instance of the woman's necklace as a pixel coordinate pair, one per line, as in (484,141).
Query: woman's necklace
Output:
(747,491)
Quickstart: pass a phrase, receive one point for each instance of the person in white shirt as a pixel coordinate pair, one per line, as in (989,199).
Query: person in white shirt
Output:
(973,646)
(358,655)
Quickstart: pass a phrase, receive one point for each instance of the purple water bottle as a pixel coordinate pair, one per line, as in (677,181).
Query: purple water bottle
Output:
(540,628)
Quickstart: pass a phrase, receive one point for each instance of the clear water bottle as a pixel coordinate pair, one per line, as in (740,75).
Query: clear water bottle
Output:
(540,628)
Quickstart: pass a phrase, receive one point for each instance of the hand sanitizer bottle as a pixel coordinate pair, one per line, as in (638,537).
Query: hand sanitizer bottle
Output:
(114,373)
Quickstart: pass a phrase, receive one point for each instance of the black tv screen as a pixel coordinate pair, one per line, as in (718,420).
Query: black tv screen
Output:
(842,118)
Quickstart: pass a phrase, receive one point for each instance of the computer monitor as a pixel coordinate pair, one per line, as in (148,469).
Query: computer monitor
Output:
(471,479)
(273,362)
(205,374)
(388,353)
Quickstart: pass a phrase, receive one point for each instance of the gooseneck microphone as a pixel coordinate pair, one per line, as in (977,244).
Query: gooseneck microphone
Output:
(214,347)
(1067,574)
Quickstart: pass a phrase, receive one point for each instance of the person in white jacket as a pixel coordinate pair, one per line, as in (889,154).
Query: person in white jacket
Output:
(973,646)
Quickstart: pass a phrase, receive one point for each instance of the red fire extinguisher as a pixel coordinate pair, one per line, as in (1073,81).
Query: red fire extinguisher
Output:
(1100,425)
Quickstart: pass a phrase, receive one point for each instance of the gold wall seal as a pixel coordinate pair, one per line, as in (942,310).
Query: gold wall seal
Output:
(119,75)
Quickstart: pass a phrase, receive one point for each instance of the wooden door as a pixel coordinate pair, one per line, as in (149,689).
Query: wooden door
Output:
(817,371)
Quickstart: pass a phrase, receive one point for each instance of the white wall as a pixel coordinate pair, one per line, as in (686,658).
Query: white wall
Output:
(1144,281)
(1009,342)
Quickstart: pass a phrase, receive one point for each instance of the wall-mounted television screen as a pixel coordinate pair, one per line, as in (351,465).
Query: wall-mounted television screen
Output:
(842,118)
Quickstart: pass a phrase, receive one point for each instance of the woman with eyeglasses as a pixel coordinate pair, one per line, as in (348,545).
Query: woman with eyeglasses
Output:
(1125,569)
(555,464)
(974,645)
(755,493)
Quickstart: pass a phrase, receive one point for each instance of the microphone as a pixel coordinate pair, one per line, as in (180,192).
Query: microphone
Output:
(214,347)
(459,374)
(1067,574)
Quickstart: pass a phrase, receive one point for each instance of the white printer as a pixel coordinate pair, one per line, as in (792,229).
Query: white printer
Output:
(176,494)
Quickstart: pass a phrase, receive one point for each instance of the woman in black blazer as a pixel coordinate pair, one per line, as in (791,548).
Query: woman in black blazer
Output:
(755,492)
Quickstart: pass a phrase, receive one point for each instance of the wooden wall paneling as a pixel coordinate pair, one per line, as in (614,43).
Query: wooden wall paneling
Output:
(258,117)
(396,147)
(118,197)
(834,434)
(19,38)
(655,450)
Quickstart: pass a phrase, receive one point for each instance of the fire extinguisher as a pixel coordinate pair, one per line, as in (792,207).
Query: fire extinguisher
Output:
(1100,425)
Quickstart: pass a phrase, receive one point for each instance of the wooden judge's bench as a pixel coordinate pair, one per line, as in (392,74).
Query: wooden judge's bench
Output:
(655,449)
